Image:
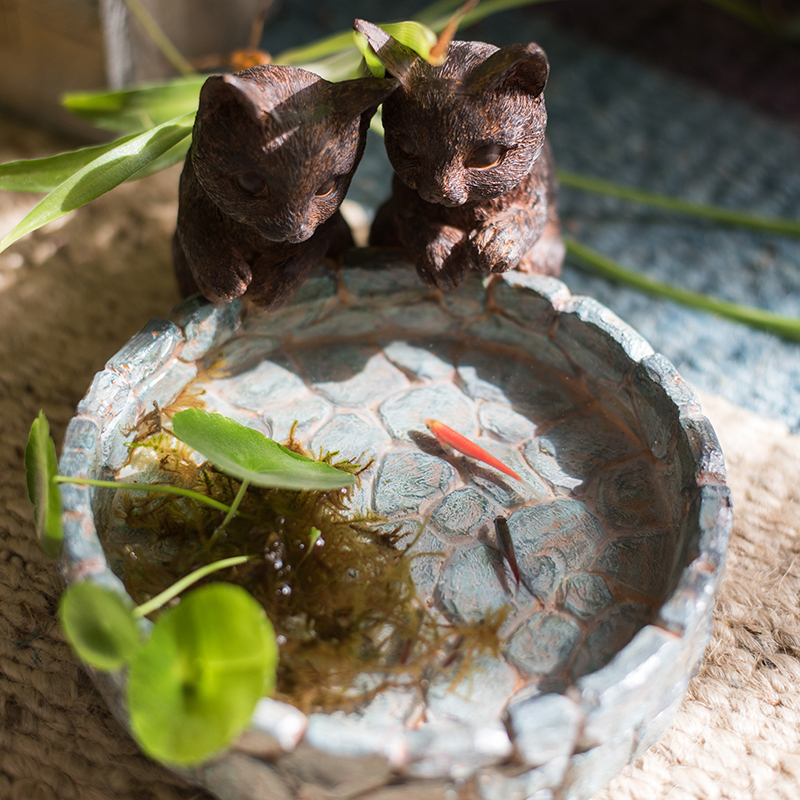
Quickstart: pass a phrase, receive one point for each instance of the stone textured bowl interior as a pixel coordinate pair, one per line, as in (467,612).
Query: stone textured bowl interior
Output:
(620,524)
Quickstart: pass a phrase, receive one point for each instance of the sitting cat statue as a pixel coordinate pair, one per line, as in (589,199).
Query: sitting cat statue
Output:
(273,152)
(474,185)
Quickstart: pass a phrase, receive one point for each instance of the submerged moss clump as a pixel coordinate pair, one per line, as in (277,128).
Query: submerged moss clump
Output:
(336,585)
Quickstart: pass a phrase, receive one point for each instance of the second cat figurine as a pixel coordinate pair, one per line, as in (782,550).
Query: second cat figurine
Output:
(474,185)
(273,152)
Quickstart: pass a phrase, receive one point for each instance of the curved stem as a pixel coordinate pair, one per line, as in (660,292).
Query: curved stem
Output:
(150,487)
(160,39)
(184,583)
(726,216)
(231,511)
(787,327)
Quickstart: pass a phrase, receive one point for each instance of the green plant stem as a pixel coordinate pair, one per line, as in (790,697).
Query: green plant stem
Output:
(231,511)
(727,216)
(160,39)
(786,327)
(184,583)
(152,487)
(236,502)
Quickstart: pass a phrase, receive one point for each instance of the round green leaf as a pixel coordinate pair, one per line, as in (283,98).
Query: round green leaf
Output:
(40,470)
(248,455)
(99,625)
(194,684)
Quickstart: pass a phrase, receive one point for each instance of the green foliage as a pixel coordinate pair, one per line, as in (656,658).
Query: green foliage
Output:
(414,35)
(250,456)
(40,471)
(103,173)
(194,684)
(99,625)
(138,109)
(787,327)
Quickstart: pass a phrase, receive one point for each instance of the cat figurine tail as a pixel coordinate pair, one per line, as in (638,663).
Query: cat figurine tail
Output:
(274,149)
(474,185)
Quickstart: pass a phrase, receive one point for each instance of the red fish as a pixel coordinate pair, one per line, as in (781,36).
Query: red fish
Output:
(447,436)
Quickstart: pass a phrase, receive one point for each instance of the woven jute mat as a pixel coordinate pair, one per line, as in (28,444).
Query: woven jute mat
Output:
(72,294)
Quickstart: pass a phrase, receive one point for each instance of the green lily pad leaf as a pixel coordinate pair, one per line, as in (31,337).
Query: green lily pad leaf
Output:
(139,108)
(99,624)
(103,173)
(41,468)
(248,455)
(194,684)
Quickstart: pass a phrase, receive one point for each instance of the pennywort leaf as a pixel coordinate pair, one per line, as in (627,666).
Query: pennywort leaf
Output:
(41,467)
(250,456)
(99,625)
(102,174)
(193,685)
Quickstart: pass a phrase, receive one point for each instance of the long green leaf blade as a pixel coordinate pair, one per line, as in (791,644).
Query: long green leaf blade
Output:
(139,109)
(40,472)
(102,174)
(726,216)
(248,455)
(44,174)
(758,318)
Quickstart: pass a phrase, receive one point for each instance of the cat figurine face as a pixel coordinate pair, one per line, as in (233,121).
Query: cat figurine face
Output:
(474,186)
(471,129)
(274,150)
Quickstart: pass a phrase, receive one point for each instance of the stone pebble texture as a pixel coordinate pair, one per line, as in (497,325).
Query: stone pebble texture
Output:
(73,294)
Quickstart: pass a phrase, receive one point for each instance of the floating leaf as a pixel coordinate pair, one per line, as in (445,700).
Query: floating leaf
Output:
(41,468)
(248,455)
(102,174)
(138,109)
(99,624)
(194,684)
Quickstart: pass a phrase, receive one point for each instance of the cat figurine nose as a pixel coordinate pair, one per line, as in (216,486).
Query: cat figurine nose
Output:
(444,192)
(302,233)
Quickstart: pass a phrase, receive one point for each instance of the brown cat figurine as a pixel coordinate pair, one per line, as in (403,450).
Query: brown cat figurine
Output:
(273,152)
(474,185)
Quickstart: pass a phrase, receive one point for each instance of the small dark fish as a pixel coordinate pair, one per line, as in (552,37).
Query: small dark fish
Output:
(506,545)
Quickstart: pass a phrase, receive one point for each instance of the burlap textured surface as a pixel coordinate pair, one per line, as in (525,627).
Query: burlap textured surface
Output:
(70,296)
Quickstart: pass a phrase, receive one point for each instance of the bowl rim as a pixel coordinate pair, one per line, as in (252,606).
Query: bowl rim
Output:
(589,713)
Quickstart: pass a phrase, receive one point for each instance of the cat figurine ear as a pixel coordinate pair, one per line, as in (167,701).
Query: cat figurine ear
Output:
(273,152)
(474,185)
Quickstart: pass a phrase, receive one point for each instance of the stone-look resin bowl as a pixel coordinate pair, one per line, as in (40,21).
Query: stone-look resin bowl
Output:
(620,527)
